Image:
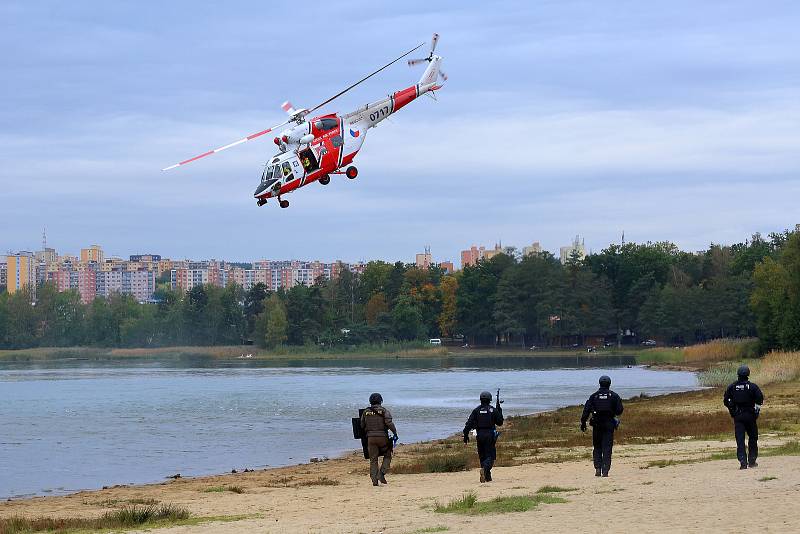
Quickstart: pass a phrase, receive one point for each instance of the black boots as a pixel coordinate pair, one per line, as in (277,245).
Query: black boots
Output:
(597,472)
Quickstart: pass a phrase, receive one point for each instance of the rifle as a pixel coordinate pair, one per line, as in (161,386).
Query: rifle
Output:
(499,402)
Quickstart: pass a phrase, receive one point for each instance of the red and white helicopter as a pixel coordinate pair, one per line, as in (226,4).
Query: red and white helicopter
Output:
(313,149)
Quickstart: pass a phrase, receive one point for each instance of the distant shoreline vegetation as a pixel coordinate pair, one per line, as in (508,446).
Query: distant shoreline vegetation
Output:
(626,294)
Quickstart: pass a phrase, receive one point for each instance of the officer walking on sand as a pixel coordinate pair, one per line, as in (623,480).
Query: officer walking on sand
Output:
(743,400)
(483,419)
(603,406)
(376,421)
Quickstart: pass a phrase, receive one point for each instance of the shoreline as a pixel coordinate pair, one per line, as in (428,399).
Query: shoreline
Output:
(249,353)
(341,456)
(674,462)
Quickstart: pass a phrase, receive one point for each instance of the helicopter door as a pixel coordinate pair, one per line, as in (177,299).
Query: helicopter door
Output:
(308,160)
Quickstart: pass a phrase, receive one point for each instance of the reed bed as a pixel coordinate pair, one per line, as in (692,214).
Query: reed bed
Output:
(778,366)
(718,350)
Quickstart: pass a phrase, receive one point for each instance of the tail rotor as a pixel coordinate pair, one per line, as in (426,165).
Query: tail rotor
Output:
(431,59)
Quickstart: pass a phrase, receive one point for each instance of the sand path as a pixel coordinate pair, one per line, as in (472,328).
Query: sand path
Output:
(709,496)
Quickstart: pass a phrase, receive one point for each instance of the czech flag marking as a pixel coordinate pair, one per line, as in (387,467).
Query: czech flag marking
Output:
(356,133)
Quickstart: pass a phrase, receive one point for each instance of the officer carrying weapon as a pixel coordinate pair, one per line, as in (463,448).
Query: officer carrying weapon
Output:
(376,421)
(484,420)
(603,406)
(743,400)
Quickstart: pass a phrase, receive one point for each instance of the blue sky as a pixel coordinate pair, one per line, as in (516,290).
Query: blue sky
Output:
(668,120)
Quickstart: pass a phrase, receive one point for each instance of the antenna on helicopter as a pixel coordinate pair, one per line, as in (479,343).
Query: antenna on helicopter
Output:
(434,40)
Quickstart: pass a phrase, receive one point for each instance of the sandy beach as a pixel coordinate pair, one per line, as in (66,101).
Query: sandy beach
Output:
(708,496)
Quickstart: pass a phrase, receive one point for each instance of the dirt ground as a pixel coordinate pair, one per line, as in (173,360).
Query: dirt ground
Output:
(708,496)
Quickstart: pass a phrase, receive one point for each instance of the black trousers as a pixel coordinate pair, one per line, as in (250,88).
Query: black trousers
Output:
(486,449)
(745,423)
(602,443)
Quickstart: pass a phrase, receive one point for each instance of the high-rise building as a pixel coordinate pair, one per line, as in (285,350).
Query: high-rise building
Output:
(93,253)
(447,267)
(21,272)
(424,260)
(534,249)
(3,272)
(498,249)
(86,284)
(469,258)
(48,255)
(576,250)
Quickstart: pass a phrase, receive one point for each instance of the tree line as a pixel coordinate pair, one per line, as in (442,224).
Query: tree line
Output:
(625,293)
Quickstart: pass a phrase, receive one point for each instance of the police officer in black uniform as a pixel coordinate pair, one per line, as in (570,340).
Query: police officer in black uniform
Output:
(603,406)
(484,418)
(743,400)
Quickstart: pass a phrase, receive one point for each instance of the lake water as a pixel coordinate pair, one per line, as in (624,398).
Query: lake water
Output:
(72,425)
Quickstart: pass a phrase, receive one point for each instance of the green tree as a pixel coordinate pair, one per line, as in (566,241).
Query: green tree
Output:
(407,319)
(448,288)
(277,324)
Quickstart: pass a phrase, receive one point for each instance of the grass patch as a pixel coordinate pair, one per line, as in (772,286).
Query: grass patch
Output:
(444,462)
(767,479)
(321,481)
(127,517)
(222,489)
(469,504)
(118,502)
(554,489)
(291,482)
(668,463)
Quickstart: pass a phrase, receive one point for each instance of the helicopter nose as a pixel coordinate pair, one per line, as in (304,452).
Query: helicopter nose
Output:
(263,186)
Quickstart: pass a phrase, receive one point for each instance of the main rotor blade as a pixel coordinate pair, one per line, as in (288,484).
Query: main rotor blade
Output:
(434,41)
(412,62)
(229,145)
(365,78)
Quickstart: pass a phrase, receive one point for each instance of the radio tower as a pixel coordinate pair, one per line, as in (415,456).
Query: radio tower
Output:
(44,239)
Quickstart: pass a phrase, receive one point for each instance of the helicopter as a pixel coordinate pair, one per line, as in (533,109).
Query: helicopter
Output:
(313,149)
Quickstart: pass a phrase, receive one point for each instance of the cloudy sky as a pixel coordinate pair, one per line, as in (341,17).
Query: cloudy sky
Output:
(673,120)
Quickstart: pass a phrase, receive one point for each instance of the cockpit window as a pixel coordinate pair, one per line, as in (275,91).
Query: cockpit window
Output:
(267,173)
(287,171)
(327,124)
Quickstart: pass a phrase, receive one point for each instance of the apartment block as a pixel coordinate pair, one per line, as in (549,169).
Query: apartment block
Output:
(3,272)
(21,272)
(577,248)
(92,254)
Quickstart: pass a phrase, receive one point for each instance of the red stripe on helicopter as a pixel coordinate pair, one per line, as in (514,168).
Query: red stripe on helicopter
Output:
(401,98)
(259,133)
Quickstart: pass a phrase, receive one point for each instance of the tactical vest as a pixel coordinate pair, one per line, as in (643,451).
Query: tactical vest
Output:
(601,403)
(741,394)
(374,420)
(485,417)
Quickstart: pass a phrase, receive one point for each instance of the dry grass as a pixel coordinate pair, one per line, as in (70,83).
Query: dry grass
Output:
(554,437)
(222,489)
(721,350)
(775,367)
(128,517)
(291,482)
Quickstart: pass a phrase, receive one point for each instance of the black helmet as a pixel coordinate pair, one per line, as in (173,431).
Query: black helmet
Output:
(605,381)
(486,397)
(375,398)
(743,371)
